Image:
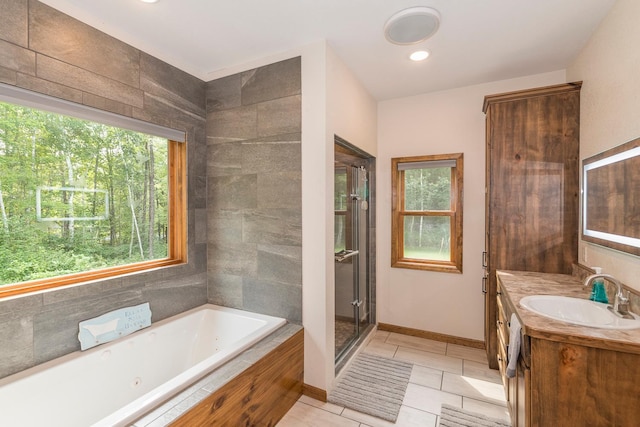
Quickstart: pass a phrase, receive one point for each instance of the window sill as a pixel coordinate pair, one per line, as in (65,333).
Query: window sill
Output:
(442,267)
(34,286)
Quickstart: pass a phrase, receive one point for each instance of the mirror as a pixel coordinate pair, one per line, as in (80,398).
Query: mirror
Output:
(611,198)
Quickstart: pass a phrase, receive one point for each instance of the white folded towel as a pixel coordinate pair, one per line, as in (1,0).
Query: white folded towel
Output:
(514,345)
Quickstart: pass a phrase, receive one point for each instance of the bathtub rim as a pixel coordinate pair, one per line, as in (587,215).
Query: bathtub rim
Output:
(174,411)
(147,402)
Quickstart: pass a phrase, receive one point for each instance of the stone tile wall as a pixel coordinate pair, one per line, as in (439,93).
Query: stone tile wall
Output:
(254,191)
(46,51)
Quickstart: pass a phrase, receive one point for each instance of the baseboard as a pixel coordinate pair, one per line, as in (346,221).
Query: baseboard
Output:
(431,335)
(314,392)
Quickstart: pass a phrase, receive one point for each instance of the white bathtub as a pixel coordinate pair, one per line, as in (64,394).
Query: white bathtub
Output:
(116,383)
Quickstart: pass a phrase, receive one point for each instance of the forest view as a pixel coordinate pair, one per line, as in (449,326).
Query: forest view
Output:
(77,195)
(427,237)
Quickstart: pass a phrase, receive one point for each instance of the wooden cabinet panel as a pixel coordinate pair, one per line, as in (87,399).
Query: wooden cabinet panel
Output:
(532,196)
(260,396)
(575,385)
(502,366)
(523,396)
(507,201)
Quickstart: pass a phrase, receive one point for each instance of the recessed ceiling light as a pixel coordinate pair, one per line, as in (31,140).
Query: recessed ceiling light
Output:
(412,25)
(149,1)
(419,55)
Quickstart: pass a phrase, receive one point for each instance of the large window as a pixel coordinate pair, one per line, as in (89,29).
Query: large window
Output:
(427,212)
(82,200)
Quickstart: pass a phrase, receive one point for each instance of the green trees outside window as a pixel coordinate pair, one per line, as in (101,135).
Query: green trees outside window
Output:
(427,237)
(77,196)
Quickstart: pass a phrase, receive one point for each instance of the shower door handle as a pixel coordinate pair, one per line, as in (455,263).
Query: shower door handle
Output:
(342,255)
(356,303)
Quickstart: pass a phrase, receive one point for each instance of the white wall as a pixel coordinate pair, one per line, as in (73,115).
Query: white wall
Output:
(352,111)
(333,103)
(443,122)
(317,158)
(609,107)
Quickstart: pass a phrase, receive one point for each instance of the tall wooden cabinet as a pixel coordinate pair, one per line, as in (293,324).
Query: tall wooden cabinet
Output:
(532,194)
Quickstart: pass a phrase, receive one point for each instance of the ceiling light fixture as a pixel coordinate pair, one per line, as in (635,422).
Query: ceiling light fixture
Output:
(419,55)
(412,25)
(149,1)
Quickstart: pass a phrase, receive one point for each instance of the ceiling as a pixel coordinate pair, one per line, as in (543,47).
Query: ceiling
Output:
(478,40)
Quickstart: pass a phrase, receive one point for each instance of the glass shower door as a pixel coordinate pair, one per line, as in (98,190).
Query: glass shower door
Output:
(350,234)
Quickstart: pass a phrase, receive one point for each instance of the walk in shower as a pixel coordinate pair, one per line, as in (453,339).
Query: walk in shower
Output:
(353,246)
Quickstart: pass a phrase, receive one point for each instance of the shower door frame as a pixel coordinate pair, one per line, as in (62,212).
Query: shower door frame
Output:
(362,329)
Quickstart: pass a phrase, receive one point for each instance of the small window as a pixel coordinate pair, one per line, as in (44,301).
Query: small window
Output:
(82,200)
(427,212)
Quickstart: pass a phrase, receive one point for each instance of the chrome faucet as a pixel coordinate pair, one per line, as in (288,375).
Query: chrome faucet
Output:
(620,302)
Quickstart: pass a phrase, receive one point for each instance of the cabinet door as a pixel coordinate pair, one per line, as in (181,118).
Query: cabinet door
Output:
(533,207)
(575,385)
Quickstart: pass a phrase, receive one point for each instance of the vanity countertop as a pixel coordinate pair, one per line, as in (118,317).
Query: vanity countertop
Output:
(519,284)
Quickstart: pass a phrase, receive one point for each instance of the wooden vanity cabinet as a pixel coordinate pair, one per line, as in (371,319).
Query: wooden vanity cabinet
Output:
(518,388)
(564,379)
(532,188)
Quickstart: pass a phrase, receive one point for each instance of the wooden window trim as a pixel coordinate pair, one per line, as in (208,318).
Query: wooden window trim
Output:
(177,235)
(398,213)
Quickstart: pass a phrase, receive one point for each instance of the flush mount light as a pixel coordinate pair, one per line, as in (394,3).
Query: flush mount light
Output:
(149,1)
(412,25)
(419,55)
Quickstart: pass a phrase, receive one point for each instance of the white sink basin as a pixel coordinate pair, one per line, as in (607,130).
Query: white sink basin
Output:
(578,311)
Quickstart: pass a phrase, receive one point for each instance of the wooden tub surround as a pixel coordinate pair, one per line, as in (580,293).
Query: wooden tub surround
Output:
(567,375)
(255,389)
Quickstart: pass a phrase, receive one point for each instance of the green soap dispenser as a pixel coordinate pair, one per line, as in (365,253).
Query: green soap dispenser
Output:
(598,291)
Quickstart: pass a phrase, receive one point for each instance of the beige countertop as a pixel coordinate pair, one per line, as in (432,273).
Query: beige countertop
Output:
(518,284)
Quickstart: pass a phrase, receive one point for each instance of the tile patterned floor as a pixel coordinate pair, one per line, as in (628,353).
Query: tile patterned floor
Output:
(442,373)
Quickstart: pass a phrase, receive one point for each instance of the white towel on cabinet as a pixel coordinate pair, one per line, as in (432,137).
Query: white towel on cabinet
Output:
(514,345)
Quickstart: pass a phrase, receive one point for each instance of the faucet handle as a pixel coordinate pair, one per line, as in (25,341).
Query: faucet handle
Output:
(621,304)
(624,296)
